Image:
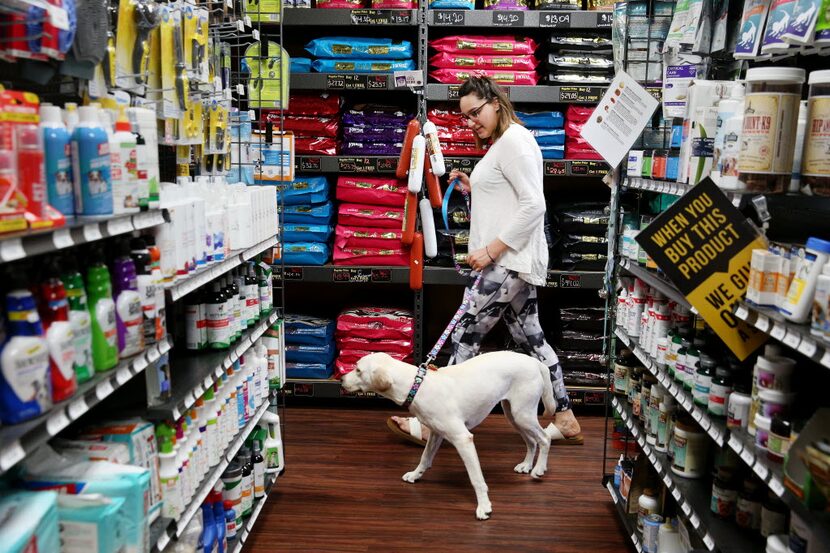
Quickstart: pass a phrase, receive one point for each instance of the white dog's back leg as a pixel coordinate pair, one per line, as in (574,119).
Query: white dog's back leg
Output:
(433,443)
(463,442)
(525,466)
(529,423)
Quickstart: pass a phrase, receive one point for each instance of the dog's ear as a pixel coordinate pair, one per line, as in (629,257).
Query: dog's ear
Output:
(380,379)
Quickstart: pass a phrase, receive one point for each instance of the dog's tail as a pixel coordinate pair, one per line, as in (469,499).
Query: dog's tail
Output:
(547,390)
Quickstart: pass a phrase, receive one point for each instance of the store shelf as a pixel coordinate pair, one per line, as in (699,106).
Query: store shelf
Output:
(19,440)
(342,17)
(650,185)
(792,335)
(589,280)
(344,81)
(346,164)
(547,19)
(587,396)
(168,529)
(182,287)
(538,94)
(194,374)
(320,389)
(77,231)
(552,168)
(655,281)
(236,544)
(345,275)
(628,520)
(692,496)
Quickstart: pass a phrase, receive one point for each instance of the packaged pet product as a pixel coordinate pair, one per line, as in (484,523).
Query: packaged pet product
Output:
(752,28)
(360,48)
(823,25)
(372,148)
(465,61)
(91,450)
(364,133)
(778,20)
(403,347)
(91,523)
(549,137)
(30,522)
(581,41)
(356,237)
(376,323)
(292,232)
(579,60)
(315,145)
(452,4)
(371,190)
(458,76)
(557,77)
(507,4)
(320,214)
(314,105)
(802,24)
(456,149)
(559,5)
(394,4)
(552,152)
(304,190)
(359,215)
(305,329)
(455,134)
(397,257)
(300,65)
(304,353)
(307,370)
(589,219)
(445,117)
(361,66)
(374,115)
(582,261)
(309,126)
(305,253)
(485,44)
(347,360)
(542,119)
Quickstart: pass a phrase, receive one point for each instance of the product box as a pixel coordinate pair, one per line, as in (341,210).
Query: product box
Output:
(91,523)
(90,450)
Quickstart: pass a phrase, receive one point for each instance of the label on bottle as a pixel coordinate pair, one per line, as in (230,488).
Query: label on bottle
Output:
(92,179)
(252,304)
(218,325)
(247,494)
(61,342)
(718,394)
(195,326)
(767,137)
(171,494)
(815,162)
(124,177)
(57,152)
(265,301)
(748,513)
(259,479)
(700,393)
(25,366)
(147,293)
(131,322)
(82,330)
(105,316)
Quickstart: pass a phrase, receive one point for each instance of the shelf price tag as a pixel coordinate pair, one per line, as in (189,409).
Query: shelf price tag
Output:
(605,20)
(12,455)
(761,470)
(735,444)
(778,331)
(825,359)
(92,232)
(511,18)
(557,20)
(103,389)
(776,486)
(748,457)
(119,226)
(77,408)
(62,238)
(792,339)
(57,422)
(12,250)
(122,375)
(807,347)
(449,17)
(580,95)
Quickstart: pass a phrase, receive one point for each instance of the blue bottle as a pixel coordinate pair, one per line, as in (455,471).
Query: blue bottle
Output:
(219,521)
(91,165)
(58,159)
(208,529)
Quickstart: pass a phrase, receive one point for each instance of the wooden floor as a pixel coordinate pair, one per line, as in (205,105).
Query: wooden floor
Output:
(342,492)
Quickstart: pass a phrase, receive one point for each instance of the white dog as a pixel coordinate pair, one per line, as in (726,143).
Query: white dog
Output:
(455,399)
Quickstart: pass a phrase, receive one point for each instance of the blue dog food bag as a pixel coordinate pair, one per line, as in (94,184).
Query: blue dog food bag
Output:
(360,48)
(320,214)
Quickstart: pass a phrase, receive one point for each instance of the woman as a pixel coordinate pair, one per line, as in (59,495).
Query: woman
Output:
(507,246)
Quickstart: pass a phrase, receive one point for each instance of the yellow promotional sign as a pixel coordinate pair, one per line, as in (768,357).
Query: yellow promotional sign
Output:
(704,246)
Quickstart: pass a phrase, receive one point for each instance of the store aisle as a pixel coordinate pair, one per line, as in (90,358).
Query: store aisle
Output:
(342,492)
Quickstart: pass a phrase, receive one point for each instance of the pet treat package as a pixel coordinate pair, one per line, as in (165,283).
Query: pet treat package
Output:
(305,329)
(752,28)
(376,323)
(309,126)
(348,358)
(300,65)
(307,370)
(401,347)
(780,15)
(305,253)
(292,232)
(315,145)
(458,76)
(371,190)
(365,133)
(320,214)
(461,149)
(801,28)
(395,4)
(579,60)
(303,190)
(465,44)
(397,257)
(306,353)
(374,115)
(346,4)
(314,104)
(372,148)
(452,4)
(549,137)
(542,120)
(507,4)
(360,48)
(449,60)
(581,42)
(360,215)
(356,238)
(361,66)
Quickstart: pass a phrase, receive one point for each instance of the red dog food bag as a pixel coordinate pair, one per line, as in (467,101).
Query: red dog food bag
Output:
(466,44)
(458,76)
(395,4)
(314,104)
(403,347)
(360,215)
(356,237)
(376,323)
(309,126)
(478,61)
(445,117)
(347,4)
(347,361)
(456,134)
(371,256)
(315,145)
(457,149)
(371,190)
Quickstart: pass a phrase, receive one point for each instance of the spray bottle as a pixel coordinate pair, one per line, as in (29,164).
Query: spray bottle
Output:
(274,460)
(91,165)
(102,312)
(128,311)
(171,486)
(54,312)
(79,318)
(124,161)
(58,158)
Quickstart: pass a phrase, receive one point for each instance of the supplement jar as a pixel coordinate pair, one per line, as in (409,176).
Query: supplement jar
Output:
(778,443)
(622,368)
(737,409)
(646,505)
(690,446)
(770,123)
(762,427)
(815,163)
(774,372)
(724,495)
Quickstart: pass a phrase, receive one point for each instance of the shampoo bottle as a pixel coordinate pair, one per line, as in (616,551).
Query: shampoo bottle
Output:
(259,471)
(58,159)
(102,312)
(273,442)
(218,324)
(124,167)
(54,311)
(80,319)
(146,287)
(171,488)
(91,165)
(128,311)
(158,286)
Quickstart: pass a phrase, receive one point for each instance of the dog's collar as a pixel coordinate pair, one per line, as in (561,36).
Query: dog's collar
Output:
(416,385)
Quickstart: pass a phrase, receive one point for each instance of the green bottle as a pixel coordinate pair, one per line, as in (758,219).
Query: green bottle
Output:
(102,313)
(80,320)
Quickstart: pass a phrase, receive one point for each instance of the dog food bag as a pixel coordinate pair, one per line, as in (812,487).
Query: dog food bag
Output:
(308,370)
(359,237)
(308,126)
(577,243)
(346,4)
(552,152)
(549,137)
(359,215)
(305,353)
(402,346)
(507,4)
(305,329)
(579,60)
(571,77)
(322,145)
(583,261)
(371,256)
(558,4)
(582,41)
(370,115)
(303,190)
(360,48)
(376,323)
(300,65)
(459,149)
(371,190)
(466,44)
(542,119)
(361,66)
(466,61)
(395,4)
(314,104)
(588,220)
(366,133)
(372,148)
(445,117)
(305,253)
(452,4)
(320,214)
(293,232)
(456,134)
(347,360)
(458,76)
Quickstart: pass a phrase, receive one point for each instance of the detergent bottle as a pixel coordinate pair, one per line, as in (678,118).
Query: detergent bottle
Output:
(79,318)
(54,312)
(102,313)
(129,317)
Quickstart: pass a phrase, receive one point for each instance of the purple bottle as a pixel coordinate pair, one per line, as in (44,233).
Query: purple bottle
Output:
(129,317)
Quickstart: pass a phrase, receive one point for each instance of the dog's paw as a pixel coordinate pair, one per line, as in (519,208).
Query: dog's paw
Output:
(412,477)
(538,472)
(523,468)
(483,511)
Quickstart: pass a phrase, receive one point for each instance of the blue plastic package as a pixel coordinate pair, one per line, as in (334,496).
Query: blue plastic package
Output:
(362,66)
(542,120)
(553,152)
(308,214)
(305,329)
(293,232)
(241,169)
(300,65)
(102,516)
(304,353)
(452,4)
(307,370)
(303,190)
(305,253)
(360,48)
(549,137)
(30,522)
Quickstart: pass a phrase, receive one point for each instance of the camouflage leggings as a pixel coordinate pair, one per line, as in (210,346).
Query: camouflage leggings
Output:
(502,294)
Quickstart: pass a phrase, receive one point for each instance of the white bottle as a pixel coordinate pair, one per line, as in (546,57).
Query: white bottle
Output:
(262,355)
(821,304)
(171,488)
(795,183)
(727,109)
(436,157)
(803,286)
(124,168)
(70,116)
(274,459)
(212,429)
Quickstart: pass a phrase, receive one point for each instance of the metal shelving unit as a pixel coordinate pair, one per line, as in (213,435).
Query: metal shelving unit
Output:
(342,17)
(531,19)
(655,281)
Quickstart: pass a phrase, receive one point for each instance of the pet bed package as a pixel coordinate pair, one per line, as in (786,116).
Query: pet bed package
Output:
(458,76)
(549,137)
(354,237)
(371,256)
(469,61)
(305,353)
(401,347)
(314,105)
(364,48)
(452,4)
(292,232)
(305,253)
(371,190)
(310,126)
(465,44)
(30,522)
(320,214)
(308,370)
(370,133)
(361,66)
(376,323)
(361,215)
(300,65)
(315,145)
(303,190)
(542,119)
(345,4)
(305,329)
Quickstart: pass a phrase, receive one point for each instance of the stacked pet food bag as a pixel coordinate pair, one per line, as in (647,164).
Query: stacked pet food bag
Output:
(360,55)
(455,137)
(577,147)
(579,59)
(371,129)
(315,121)
(547,128)
(309,347)
(579,346)
(354,4)
(366,330)
(579,237)
(307,214)
(508,60)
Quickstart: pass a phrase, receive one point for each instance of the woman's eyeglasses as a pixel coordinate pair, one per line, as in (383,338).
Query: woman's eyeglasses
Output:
(473,113)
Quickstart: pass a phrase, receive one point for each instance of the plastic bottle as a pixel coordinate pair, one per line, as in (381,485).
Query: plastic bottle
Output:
(146,287)
(259,471)
(70,116)
(80,320)
(182,462)
(54,313)
(25,388)
(801,130)
(646,505)
(218,324)
(158,284)
(820,321)
(195,322)
(91,165)
(230,520)
(252,295)
(171,489)
(803,286)
(219,521)
(211,421)
(266,300)
(240,302)
(124,163)
(58,159)
(102,313)
(244,459)
(719,392)
(208,530)
(143,159)
(727,138)
(128,309)
(273,442)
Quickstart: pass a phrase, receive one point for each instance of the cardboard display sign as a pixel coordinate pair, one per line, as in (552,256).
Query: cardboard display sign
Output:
(704,246)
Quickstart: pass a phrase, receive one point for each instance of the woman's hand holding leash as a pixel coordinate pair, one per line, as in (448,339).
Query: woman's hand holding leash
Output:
(462,178)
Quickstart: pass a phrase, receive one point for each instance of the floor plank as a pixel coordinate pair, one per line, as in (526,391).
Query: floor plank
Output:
(342,492)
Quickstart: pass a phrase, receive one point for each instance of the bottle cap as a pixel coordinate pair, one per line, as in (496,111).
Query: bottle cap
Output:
(89,114)
(123,124)
(51,115)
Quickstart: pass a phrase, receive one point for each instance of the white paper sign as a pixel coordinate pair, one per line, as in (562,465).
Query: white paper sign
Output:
(620,117)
